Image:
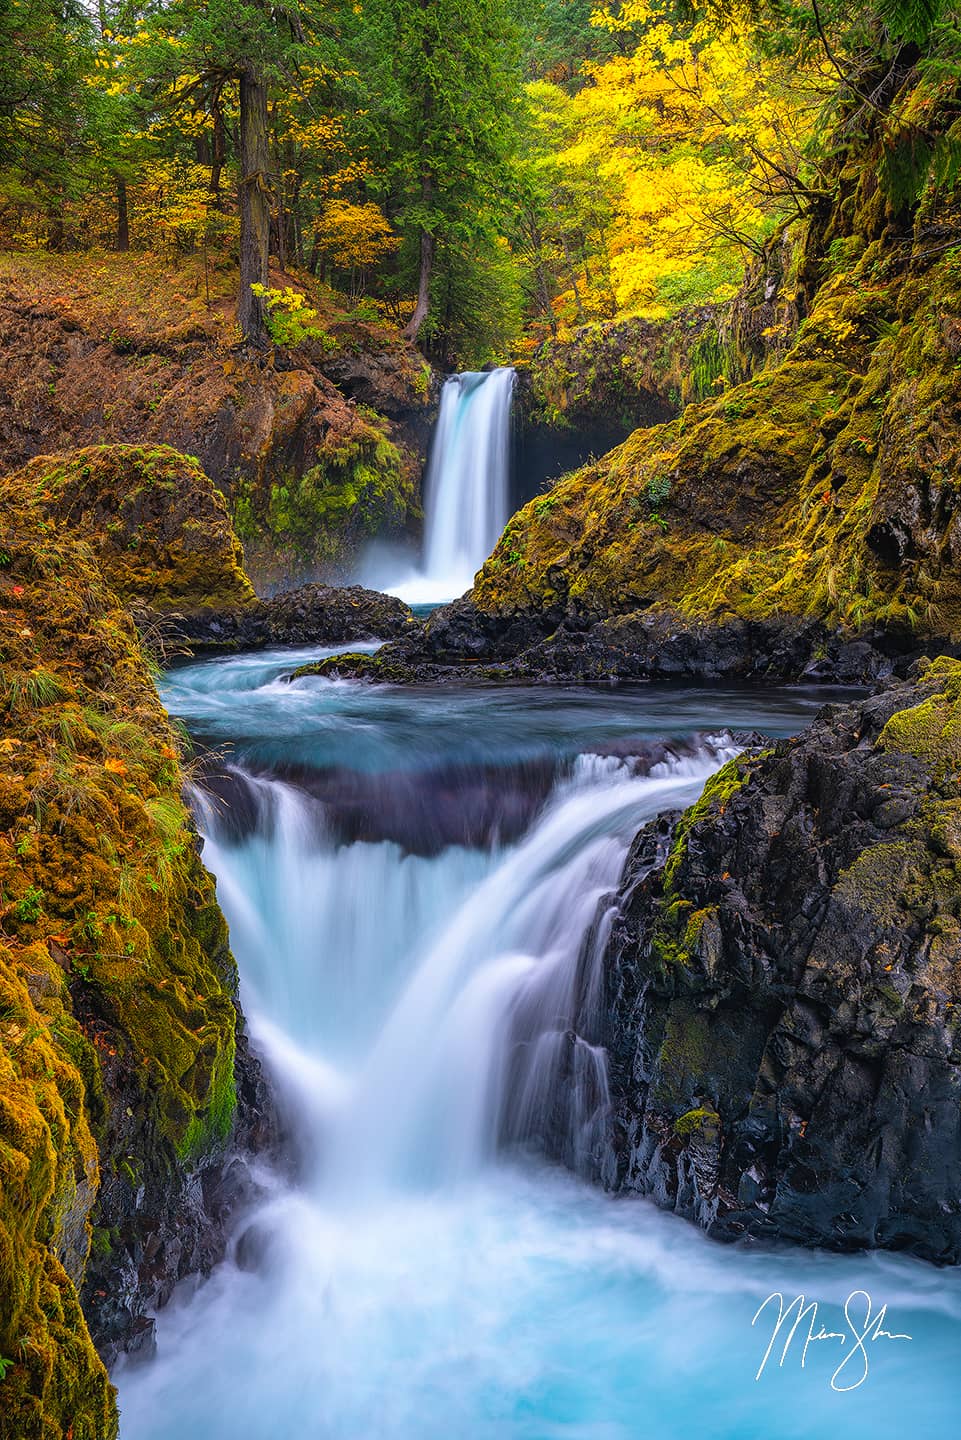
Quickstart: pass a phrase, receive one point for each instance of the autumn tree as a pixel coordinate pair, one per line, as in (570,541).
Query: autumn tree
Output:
(256,48)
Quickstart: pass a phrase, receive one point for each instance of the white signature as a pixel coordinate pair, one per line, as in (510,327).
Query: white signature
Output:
(864,1327)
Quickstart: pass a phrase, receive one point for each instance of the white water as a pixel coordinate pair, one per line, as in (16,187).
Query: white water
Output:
(465,488)
(429,1275)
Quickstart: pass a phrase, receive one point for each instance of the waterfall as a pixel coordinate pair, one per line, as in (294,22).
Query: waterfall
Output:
(493,1038)
(428,997)
(466,492)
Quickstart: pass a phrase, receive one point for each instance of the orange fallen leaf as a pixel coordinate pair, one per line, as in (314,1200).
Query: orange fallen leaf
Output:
(115,767)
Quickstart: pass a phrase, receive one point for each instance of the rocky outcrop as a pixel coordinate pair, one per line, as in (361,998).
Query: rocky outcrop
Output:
(310,615)
(315,448)
(460,643)
(158,528)
(126,1084)
(784,991)
(640,372)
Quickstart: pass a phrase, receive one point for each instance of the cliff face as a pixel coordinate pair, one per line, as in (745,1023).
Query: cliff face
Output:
(126,1078)
(784,989)
(315,448)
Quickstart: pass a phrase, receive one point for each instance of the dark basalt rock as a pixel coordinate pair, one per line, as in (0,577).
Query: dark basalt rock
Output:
(310,615)
(558,646)
(784,993)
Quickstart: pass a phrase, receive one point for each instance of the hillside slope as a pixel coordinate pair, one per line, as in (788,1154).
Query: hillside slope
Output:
(316,447)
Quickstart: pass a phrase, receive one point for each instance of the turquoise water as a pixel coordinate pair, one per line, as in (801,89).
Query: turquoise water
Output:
(417,1281)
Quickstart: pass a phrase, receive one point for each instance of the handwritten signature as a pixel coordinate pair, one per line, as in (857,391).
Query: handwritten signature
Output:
(800,1318)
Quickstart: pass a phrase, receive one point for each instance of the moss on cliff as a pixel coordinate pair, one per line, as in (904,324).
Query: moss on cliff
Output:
(797,1075)
(677,936)
(360,484)
(825,486)
(117,1013)
(932,729)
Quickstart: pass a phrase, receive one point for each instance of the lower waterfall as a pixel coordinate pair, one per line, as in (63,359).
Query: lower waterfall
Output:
(435,1263)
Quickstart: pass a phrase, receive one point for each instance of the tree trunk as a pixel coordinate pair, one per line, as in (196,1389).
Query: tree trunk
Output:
(254,208)
(218,151)
(123,218)
(428,247)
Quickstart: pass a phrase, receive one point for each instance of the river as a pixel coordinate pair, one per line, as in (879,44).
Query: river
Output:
(410,876)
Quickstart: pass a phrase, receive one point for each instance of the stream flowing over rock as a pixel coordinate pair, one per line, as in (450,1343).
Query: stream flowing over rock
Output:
(784,1039)
(130,1101)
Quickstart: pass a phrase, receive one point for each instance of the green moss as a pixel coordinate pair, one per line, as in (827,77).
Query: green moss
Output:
(682,1058)
(931,731)
(716,793)
(360,485)
(697,1122)
(788,490)
(878,879)
(102,890)
(160,531)
(360,665)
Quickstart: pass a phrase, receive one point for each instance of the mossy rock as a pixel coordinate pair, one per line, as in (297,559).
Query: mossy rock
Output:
(823,487)
(118,1018)
(159,529)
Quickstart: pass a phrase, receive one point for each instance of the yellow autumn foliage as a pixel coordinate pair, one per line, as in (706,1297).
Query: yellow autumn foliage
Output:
(675,161)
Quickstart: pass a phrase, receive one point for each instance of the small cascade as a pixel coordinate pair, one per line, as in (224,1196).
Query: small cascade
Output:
(466,488)
(466,495)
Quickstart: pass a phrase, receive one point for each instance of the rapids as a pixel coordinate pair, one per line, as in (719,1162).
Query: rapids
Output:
(419,885)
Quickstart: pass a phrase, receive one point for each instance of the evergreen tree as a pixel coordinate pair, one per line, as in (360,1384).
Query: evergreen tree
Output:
(195,52)
(443,98)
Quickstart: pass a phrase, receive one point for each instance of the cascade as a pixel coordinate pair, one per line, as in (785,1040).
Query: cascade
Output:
(429,1003)
(466,491)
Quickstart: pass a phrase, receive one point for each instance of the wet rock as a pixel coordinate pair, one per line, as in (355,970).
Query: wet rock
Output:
(784,992)
(311,615)
(461,642)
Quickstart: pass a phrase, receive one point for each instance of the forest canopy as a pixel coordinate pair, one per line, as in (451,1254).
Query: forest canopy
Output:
(483,174)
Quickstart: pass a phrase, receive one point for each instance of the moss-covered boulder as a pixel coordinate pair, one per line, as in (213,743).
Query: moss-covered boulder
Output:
(123,1065)
(784,988)
(159,529)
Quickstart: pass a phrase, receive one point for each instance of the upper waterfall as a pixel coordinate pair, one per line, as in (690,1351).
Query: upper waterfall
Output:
(466,494)
(466,490)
